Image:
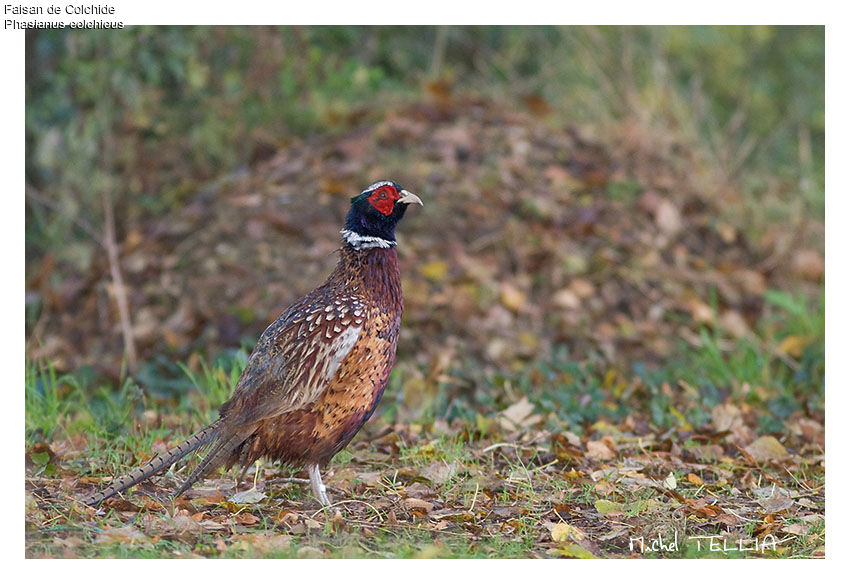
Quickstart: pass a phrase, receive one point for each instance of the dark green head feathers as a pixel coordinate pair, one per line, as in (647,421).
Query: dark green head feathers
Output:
(374,214)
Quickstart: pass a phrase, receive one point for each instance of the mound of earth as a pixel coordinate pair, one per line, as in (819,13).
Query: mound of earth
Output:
(532,236)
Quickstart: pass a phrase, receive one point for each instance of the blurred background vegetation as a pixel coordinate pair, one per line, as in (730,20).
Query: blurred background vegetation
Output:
(176,105)
(136,124)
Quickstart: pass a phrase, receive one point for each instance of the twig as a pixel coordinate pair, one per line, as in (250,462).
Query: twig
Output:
(338,503)
(117,281)
(303,482)
(499,445)
(439,50)
(474,497)
(35,195)
(514,446)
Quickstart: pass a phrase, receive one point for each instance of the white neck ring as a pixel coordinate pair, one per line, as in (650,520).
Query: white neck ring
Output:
(360,242)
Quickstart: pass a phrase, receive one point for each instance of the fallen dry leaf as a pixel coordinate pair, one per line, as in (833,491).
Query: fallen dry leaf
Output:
(668,218)
(126,534)
(796,529)
(566,532)
(573,550)
(808,264)
(599,450)
(767,448)
(265,543)
(794,345)
(735,323)
(606,507)
(566,298)
(519,415)
(776,504)
(413,504)
(248,497)
(440,472)
(512,297)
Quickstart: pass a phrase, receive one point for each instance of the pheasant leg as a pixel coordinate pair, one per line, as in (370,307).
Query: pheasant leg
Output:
(319,489)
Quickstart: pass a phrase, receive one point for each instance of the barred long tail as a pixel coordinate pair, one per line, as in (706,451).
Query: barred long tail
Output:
(219,454)
(156,464)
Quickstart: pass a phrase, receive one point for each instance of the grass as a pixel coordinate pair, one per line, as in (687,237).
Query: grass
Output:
(504,496)
(407,543)
(755,368)
(493,469)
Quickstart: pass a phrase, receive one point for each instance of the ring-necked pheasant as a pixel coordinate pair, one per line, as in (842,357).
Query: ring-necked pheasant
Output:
(320,369)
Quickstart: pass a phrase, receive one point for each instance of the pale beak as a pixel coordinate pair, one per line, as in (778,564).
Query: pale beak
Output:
(408,198)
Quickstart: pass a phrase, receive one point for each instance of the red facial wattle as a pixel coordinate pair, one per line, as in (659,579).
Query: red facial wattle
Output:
(384,198)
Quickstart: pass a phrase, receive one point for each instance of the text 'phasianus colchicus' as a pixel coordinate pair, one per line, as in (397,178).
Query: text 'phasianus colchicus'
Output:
(320,369)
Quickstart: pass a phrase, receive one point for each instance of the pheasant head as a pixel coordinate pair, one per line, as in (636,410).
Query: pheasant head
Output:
(374,214)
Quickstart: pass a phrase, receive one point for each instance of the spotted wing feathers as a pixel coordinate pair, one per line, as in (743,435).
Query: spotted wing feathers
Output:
(296,358)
